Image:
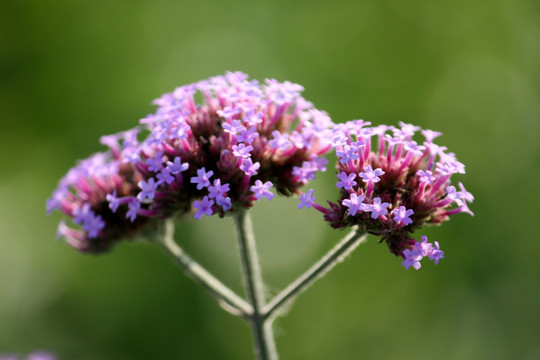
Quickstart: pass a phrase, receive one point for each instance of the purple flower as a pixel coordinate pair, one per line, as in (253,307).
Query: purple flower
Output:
(377,209)
(423,247)
(225,202)
(249,168)
(234,127)
(81,213)
(248,135)
(176,166)
(412,258)
(203,207)
(113,201)
(416,182)
(93,224)
(217,190)
(414,148)
(180,132)
(280,141)
(347,153)
(430,135)
(454,195)
(436,254)
(306,172)
(133,209)
(241,150)
(320,163)
(425,176)
(148,189)
(346,181)
(155,164)
(306,199)
(202,179)
(354,203)
(164,176)
(261,190)
(370,175)
(228,112)
(218,124)
(464,194)
(402,215)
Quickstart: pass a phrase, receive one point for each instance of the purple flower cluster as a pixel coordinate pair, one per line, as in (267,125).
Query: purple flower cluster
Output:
(215,146)
(419,250)
(390,186)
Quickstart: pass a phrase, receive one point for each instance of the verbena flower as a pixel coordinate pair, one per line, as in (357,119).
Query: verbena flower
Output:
(92,194)
(400,186)
(213,146)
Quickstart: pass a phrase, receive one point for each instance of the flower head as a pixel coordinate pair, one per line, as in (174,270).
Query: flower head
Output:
(247,135)
(404,186)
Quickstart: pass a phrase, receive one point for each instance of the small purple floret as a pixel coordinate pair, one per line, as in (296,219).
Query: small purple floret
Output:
(370,175)
(403,215)
(204,207)
(133,209)
(148,189)
(242,151)
(249,168)
(306,199)
(155,164)
(346,181)
(412,258)
(177,167)
(436,254)
(261,190)
(202,179)
(354,203)
(377,208)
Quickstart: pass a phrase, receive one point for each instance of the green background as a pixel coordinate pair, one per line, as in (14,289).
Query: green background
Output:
(71,71)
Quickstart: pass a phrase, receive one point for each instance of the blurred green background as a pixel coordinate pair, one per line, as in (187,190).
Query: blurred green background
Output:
(71,71)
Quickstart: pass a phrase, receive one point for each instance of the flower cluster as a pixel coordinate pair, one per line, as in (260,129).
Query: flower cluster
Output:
(390,186)
(214,146)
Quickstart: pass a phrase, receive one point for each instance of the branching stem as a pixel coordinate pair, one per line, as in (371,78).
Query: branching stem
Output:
(227,298)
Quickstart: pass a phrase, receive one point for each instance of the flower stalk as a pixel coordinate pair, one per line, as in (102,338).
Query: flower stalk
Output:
(229,300)
(265,346)
(336,255)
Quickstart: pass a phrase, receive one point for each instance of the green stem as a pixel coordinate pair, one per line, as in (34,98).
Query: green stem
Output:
(260,325)
(227,298)
(336,255)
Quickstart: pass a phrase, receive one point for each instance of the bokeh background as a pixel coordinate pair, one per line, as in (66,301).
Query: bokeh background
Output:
(71,71)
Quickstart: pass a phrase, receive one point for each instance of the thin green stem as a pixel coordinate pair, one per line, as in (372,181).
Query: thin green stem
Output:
(261,326)
(336,255)
(226,297)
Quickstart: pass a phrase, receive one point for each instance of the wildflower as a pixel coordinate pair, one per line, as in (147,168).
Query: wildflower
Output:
(411,181)
(250,136)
